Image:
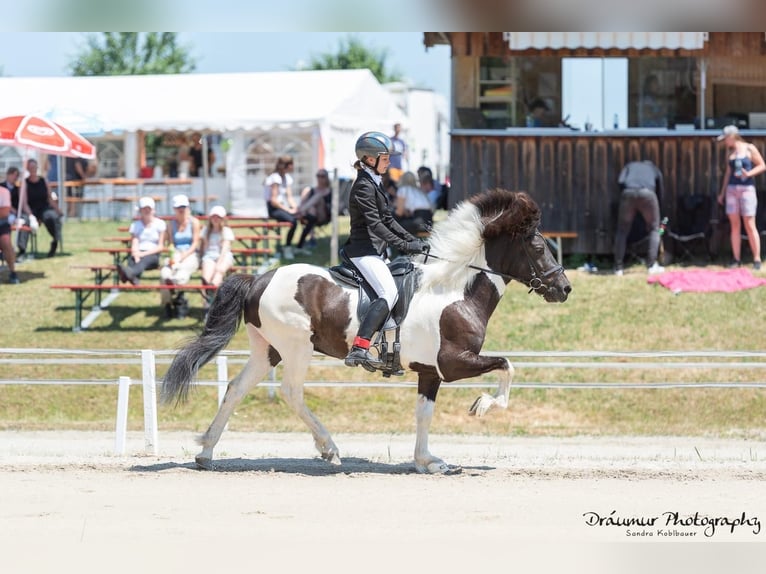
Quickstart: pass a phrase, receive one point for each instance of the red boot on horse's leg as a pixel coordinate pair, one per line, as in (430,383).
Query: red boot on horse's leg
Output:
(374,319)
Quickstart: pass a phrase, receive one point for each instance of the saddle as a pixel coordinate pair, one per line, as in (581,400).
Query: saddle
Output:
(407,280)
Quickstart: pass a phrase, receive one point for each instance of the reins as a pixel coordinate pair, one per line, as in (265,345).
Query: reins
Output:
(535,282)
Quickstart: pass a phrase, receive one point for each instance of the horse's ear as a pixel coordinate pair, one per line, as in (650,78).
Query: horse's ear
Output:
(515,213)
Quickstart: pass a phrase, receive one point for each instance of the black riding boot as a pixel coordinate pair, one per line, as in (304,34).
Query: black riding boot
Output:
(374,319)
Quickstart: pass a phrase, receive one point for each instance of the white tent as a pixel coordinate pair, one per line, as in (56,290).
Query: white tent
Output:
(326,110)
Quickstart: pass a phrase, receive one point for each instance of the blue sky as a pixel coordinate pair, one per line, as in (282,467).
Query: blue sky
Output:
(48,53)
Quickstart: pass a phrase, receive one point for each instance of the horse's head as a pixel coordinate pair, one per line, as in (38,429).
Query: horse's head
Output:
(515,248)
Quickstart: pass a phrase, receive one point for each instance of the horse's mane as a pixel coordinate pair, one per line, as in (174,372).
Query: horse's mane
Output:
(459,239)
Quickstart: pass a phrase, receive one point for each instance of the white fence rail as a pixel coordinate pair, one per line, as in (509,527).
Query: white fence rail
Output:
(148,360)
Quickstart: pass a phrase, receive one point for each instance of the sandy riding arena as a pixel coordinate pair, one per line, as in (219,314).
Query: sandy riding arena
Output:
(70,506)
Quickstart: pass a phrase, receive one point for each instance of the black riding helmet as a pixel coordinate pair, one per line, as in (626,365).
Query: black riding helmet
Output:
(374,144)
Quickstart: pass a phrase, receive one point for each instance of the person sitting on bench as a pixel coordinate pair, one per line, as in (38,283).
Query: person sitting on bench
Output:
(184,237)
(216,247)
(147,242)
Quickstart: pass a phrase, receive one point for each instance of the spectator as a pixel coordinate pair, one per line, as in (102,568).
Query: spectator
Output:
(391,188)
(148,234)
(6,245)
(413,209)
(744,162)
(431,187)
(184,240)
(216,240)
(397,161)
(195,156)
(537,110)
(76,170)
(653,112)
(314,209)
(641,183)
(40,203)
(278,193)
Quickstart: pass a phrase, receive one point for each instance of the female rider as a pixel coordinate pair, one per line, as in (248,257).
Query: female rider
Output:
(372,229)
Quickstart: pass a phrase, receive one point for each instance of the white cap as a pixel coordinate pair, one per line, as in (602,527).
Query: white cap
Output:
(727,131)
(218,210)
(145,202)
(180,200)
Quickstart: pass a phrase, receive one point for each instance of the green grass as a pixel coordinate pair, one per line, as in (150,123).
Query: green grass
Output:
(603,313)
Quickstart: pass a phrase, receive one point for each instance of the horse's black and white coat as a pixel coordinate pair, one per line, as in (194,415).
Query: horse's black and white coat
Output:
(298,309)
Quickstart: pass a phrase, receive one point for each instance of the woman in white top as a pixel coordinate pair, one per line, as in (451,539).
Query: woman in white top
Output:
(278,192)
(413,208)
(148,235)
(217,258)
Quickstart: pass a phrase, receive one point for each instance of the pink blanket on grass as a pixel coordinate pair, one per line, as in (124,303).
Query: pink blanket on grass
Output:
(705,281)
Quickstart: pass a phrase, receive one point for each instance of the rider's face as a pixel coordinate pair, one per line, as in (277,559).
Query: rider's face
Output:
(384,160)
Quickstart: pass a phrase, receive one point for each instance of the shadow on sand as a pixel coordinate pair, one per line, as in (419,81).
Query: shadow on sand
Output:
(304,466)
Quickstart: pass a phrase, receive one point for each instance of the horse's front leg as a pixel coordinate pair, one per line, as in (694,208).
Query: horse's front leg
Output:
(499,400)
(428,386)
(456,365)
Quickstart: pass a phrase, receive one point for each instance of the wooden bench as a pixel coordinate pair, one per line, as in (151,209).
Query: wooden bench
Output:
(100,274)
(83,292)
(558,236)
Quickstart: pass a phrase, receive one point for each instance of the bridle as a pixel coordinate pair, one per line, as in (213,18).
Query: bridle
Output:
(536,281)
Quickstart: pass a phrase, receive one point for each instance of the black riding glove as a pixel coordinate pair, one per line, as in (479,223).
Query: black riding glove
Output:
(415,247)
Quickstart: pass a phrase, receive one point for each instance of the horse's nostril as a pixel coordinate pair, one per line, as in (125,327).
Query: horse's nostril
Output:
(568,289)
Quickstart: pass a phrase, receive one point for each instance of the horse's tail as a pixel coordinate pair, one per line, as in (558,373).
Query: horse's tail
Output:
(222,322)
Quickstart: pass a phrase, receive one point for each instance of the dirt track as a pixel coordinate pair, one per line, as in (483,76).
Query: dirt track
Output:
(66,500)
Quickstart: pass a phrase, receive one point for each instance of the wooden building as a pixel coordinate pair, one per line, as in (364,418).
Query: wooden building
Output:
(682,88)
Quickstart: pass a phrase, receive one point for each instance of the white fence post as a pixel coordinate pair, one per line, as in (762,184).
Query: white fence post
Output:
(121,431)
(222,363)
(272,379)
(150,400)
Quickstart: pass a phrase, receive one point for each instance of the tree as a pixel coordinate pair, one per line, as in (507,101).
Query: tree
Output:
(132,53)
(352,54)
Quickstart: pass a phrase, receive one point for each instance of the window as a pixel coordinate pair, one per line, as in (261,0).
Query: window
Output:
(662,91)
(518,92)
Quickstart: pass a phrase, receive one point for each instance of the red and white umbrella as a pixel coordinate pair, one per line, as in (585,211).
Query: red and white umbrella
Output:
(35,132)
(45,135)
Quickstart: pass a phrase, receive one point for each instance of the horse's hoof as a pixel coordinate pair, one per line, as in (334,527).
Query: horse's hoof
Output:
(204,463)
(332,458)
(482,405)
(438,467)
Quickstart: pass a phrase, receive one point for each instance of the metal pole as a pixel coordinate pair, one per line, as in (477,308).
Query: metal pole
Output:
(205,168)
(335,207)
(703,92)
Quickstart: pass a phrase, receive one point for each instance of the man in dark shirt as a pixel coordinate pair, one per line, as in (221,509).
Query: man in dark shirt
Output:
(641,185)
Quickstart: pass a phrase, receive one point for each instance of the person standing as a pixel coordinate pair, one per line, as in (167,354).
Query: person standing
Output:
(402,153)
(280,203)
(372,229)
(744,162)
(641,184)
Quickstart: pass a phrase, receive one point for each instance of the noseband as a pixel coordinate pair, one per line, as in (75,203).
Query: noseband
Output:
(536,280)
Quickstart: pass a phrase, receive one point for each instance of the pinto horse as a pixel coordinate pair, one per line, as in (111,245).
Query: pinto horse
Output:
(298,309)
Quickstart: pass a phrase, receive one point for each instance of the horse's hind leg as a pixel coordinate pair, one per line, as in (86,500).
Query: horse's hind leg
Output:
(255,370)
(293,377)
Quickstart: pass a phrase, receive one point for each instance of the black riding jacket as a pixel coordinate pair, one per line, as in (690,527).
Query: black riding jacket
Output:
(372,224)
